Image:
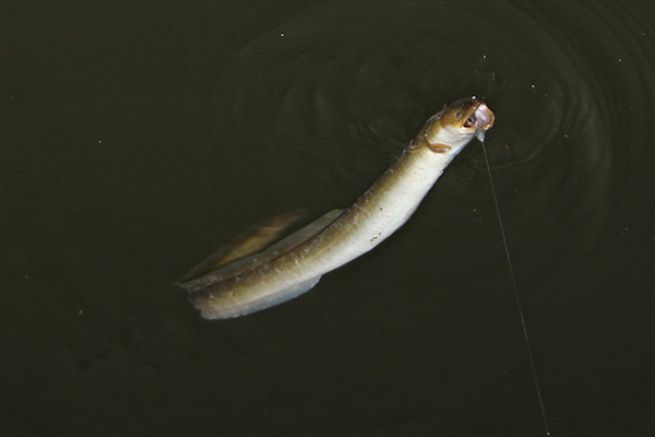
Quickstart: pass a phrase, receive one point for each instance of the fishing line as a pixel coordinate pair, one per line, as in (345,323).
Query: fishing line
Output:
(516,294)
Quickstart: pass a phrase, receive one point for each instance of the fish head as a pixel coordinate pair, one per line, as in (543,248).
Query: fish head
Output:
(458,123)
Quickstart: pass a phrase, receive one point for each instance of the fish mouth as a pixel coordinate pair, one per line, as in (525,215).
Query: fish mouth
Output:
(465,118)
(481,119)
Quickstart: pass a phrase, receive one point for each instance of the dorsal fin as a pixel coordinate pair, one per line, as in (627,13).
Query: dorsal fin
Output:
(199,277)
(251,241)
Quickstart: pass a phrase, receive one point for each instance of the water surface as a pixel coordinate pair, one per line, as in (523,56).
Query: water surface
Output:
(138,138)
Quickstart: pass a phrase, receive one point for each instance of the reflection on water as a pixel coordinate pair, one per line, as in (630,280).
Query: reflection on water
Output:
(139,139)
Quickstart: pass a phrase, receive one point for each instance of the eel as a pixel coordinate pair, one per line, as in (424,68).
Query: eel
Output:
(256,273)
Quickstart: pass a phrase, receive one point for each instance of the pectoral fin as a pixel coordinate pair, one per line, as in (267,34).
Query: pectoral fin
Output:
(224,271)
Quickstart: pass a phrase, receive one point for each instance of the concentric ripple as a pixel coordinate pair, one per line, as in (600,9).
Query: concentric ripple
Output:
(327,98)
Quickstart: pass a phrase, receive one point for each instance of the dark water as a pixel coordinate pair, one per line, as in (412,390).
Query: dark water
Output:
(137,137)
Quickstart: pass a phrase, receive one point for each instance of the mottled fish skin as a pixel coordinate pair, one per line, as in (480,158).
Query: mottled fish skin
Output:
(377,214)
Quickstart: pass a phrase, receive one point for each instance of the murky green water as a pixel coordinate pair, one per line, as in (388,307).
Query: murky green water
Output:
(138,138)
